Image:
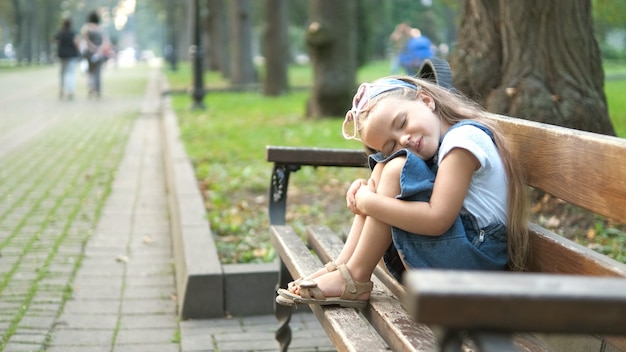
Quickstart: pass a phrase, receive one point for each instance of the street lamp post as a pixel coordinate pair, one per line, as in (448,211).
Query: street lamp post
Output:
(198,52)
(171,46)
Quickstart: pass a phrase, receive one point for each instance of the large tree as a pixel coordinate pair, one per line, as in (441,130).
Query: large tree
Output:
(534,59)
(331,42)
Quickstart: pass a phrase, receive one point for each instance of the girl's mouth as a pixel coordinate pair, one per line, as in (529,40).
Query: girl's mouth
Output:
(418,144)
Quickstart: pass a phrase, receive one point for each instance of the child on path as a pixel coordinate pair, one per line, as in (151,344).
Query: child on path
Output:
(67,52)
(444,193)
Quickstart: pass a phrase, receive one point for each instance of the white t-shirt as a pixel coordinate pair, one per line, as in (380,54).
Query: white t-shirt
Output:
(487,195)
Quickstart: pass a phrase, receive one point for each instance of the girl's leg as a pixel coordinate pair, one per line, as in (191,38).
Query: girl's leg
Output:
(351,241)
(357,224)
(373,240)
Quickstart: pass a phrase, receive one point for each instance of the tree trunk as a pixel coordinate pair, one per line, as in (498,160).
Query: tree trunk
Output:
(331,41)
(276,48)
(242,69)
(219,43)
(534,59)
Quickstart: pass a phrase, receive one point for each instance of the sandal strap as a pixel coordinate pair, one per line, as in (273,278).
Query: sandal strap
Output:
(353,288)
(309,289)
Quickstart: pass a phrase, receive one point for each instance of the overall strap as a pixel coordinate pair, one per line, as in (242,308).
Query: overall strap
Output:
(432,163)
(471,123)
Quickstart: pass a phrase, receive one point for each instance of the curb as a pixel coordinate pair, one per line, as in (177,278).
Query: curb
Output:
(205,288)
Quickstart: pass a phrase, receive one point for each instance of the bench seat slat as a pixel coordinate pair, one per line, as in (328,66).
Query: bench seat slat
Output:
(539,302)
(384,312)
(345,327)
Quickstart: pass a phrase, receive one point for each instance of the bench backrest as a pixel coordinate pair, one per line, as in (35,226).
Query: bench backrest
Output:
(581,168)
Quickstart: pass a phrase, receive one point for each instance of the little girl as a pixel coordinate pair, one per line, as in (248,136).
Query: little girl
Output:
(471,216)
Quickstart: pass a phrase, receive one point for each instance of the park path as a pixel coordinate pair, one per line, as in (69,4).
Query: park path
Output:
(85,254)
(85,251)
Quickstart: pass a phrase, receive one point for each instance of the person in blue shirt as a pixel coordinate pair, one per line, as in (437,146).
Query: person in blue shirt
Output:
(418,48)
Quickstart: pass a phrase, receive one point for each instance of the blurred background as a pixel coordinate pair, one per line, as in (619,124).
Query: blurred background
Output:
(142,30)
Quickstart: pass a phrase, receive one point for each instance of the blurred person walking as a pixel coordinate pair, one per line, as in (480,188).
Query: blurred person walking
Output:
(398,38)
(67,52)
(418,48)
(96,49)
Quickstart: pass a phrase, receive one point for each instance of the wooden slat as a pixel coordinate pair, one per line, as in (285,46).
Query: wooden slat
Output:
(582,168)
(316,156)
(345,327)
(384,311)
(539,302)
(552,253)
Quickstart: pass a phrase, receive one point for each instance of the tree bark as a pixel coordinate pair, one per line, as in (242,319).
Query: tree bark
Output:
(242,69)
(331,42)
(219,50)
(276,48)
(533,59)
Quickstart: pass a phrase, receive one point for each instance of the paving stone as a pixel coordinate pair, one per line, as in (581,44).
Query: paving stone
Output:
(92,348)
(162,306)
(33,320)
(148,347)
(82,337)
(140,335)
(92,307)
(29,337)
(153,321)
(15,346)
(77,321)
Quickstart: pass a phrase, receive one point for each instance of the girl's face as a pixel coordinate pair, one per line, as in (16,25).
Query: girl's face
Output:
(394,124)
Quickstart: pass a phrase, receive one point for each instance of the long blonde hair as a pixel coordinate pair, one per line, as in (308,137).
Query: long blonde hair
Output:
(452,108)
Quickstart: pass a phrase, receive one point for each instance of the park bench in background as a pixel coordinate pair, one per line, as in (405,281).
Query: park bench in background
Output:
(572,298)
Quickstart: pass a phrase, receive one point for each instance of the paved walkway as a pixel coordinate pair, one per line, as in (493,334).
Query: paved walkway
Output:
(85,252)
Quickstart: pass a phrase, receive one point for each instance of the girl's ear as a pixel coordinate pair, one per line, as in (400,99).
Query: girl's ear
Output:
(428,101)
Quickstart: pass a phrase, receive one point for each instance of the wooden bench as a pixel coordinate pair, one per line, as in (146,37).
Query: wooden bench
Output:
(572,298)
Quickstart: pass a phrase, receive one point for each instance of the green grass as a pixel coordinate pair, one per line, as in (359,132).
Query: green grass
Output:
(226,143)
(615,91)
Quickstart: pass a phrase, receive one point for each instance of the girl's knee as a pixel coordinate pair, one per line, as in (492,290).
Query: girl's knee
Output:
(388,182)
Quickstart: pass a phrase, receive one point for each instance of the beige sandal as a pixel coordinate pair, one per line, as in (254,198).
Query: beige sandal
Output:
(330,266)
(311,294)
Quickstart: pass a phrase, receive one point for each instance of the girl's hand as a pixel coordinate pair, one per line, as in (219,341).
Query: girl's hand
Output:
(351,194)
(365,191)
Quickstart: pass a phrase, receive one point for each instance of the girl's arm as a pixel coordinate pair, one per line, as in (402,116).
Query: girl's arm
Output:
(426,218)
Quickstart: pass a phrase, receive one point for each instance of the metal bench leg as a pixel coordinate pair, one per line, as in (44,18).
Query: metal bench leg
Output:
(283,313)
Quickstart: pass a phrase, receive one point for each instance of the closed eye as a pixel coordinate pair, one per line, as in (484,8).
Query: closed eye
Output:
(391,147)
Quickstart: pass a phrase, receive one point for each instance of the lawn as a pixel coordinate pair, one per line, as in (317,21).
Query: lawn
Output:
(226,143)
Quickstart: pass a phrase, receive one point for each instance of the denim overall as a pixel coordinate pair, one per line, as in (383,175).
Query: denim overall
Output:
(464,246)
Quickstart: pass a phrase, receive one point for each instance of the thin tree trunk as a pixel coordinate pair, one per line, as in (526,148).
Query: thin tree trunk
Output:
(276,48)
(242,70)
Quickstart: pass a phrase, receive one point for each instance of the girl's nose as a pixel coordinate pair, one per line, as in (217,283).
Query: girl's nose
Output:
(405,140)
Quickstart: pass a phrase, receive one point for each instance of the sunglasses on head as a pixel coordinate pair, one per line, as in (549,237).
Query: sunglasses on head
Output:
(361,103)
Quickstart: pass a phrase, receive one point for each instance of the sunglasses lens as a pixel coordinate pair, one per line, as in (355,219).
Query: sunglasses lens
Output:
(349,125)
(358,97)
